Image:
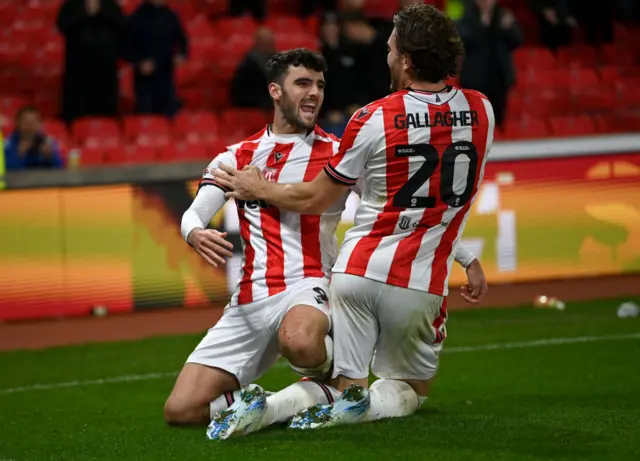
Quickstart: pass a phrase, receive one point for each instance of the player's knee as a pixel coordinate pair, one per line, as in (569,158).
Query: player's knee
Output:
(304,351)
(302,338)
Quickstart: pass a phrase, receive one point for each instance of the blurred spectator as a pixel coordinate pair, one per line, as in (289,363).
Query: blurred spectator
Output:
(371,58)
(29,147)
(257,8)
(249,87)
(555,22)
(343,92)
(310,7)
(157,46)
(93,31)
(597,18)
(490,34)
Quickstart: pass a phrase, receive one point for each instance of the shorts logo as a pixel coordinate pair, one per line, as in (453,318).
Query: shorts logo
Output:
(270,174)
(322,295)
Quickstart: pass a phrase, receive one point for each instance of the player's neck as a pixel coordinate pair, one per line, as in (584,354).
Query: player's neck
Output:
(281,126)
(427,86)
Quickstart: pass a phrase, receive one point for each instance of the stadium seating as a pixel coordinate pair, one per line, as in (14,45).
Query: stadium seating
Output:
(577,90)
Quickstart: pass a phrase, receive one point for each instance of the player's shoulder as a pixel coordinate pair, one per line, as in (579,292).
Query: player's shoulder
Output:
(366,112)
(250,143)
(321,135)
(475,94)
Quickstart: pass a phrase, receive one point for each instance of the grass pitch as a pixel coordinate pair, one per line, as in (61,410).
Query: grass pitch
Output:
(514,384)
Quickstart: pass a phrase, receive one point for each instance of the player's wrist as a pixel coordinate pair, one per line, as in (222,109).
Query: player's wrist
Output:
(192,233)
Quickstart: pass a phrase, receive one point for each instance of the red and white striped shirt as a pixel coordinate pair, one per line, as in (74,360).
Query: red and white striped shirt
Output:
(280,247)
(422,156)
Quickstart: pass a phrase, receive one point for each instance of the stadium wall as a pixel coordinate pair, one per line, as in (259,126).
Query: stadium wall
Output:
(544,213)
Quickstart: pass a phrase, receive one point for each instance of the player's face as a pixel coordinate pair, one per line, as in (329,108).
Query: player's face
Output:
(396,63)
(302,96)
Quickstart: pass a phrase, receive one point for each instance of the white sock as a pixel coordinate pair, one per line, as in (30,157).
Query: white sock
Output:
(222,403)
(391,398)
(283,405)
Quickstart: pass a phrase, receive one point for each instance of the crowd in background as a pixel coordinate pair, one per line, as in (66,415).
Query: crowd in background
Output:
(152,39)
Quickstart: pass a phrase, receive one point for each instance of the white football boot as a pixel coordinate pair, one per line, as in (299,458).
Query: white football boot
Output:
(248,409)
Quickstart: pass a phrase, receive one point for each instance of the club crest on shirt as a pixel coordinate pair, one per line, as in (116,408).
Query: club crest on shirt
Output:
(270,174)
(363,112)
(278,156)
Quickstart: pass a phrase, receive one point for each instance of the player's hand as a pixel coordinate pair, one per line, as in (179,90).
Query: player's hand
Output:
(211,245)
(244,185)
(476,288)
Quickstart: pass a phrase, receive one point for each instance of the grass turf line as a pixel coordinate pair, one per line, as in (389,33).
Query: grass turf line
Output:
(564,401)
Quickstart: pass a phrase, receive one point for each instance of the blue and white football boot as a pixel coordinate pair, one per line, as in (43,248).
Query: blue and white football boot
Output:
(246,411)
(351,408)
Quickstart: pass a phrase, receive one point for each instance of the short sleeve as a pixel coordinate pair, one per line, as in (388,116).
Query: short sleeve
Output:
(226,158)
(357,144)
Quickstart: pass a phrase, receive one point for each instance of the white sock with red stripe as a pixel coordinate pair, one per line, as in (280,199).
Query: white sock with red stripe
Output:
(391,398)
(283,405)
(222,403)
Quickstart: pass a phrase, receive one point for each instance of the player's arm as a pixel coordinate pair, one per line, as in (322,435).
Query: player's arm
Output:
(476,287)
(210,244)
(314,197)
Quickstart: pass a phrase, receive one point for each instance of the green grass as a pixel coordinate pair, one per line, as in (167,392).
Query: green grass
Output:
(578,401)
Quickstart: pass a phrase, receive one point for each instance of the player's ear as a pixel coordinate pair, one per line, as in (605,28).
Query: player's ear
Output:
(406,62)
(275,90)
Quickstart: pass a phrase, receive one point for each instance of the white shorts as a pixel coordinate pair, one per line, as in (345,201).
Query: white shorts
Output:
(399,331)
(244,342)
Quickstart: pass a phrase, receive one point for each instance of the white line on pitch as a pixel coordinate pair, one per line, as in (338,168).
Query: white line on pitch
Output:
(485,347)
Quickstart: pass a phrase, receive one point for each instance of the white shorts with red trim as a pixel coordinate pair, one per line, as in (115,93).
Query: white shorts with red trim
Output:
(244,342)
(398,331)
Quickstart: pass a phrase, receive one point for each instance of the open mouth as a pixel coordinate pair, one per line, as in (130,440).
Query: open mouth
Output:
(308,108)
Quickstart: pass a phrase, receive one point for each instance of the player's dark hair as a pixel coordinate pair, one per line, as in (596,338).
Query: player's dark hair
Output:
(279,64)
(430,38)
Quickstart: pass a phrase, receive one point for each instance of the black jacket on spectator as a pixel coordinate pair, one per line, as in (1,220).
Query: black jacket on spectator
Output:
(343,87)
(488,64)
(93,46)
(373,69)
(250,87)
(156,33)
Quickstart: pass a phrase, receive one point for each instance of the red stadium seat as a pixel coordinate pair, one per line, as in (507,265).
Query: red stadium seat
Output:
(95,155)
(547,101)
(609,74)
(228,28)
(578,56)
(136,126)
(629,93)
(184,152)
(572,126)
(97,127)
(214,7)
(57,130)
(534,57)
(289,24)
(201,123)
(593,98)
(613,54)
(10,105)
(629,121)
(247,121)
(131,154)
(526,128)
